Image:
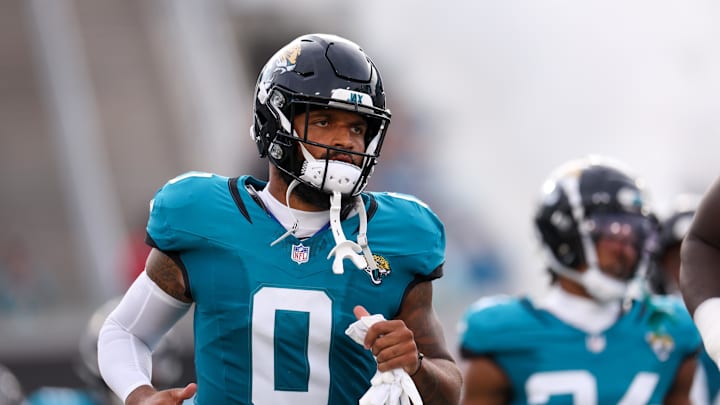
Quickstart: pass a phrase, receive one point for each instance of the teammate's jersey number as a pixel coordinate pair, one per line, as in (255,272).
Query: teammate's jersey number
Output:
(581,384)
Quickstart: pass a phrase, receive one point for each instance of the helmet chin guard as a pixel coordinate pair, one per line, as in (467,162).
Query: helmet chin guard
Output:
(329,175)
(603,287)
(600,286)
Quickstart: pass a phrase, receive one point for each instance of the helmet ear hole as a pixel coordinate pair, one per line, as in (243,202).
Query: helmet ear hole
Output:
(261,133)
(275,151)
(563,242)
(567,255)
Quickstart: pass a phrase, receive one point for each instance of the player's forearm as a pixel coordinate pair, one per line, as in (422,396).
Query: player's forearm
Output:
(438,381)
(130,333)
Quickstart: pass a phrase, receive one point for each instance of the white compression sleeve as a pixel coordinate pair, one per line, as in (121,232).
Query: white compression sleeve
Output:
(706,319)
(132,331)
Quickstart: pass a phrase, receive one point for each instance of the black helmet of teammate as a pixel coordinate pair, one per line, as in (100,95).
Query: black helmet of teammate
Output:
(663,274)
(585,199)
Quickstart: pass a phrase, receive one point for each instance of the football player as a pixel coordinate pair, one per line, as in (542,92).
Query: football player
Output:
(278,270)
(584,342)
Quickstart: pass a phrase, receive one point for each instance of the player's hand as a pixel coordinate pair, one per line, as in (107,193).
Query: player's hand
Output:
(392,343)
(147,395)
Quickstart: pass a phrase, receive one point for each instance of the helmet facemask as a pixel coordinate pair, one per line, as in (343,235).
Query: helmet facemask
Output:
(323,174)
(612,284)
(319,71)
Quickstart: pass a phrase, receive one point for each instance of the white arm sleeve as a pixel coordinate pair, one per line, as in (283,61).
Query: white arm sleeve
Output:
(132,331)
(706,320)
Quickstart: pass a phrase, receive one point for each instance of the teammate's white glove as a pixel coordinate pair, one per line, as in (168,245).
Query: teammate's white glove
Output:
(394,387)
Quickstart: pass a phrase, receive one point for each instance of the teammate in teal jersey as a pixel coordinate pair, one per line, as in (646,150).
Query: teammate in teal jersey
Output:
(664,278)
(585,342)
(278,270)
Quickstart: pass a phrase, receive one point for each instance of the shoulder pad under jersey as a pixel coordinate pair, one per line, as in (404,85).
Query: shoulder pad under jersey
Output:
(668,313)
(408,227)
(498,322)
(186,209)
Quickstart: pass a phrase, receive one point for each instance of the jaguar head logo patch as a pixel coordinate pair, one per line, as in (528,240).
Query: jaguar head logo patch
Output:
(382,270)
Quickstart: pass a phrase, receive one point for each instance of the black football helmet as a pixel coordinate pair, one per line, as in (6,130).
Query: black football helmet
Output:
(583,200)
(674,227)
(312,72)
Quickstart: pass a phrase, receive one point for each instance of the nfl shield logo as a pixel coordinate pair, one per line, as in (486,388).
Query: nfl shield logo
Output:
(300,254)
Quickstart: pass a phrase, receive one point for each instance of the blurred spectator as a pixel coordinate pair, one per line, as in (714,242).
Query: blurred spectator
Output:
(134,254)
(23,287)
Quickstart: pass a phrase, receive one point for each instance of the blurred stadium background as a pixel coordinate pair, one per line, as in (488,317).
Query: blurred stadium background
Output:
(101,102)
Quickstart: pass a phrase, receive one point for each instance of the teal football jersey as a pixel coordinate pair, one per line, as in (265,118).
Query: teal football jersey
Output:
(550,362)
(269,322)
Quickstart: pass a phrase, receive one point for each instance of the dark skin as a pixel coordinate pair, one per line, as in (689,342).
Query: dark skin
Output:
(395,343)
(486,381)
(700,252)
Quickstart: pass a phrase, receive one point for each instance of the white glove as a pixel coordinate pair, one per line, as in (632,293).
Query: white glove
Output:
(394,387)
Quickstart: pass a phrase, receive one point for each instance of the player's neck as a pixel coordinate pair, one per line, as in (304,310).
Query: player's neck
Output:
(308,222)
(277,187)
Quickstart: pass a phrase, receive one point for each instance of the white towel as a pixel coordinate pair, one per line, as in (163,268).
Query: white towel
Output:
(394,387)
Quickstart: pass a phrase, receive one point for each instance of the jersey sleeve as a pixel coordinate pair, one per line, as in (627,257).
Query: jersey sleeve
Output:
(497,323)
(177,212)
(670,311)
(420,232)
